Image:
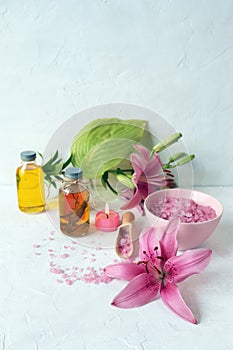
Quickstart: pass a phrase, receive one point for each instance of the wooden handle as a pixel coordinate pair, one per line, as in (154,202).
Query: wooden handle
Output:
(127,217)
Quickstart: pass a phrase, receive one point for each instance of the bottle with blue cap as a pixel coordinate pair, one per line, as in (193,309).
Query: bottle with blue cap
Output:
(30,184)
(74,204)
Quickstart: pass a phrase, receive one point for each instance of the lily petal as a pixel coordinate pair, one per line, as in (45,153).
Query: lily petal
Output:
(133,202)
(168,241)
(144,152)
(173,300)
(148,243)
(189,263)
(138,164)
(124,270)
(139,291)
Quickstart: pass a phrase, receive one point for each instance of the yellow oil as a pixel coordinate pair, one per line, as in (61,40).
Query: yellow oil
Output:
(30,188)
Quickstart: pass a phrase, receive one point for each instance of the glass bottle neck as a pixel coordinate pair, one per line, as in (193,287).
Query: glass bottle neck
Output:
(29,165)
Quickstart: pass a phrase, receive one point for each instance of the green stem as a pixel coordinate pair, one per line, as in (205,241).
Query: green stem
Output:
(110,187)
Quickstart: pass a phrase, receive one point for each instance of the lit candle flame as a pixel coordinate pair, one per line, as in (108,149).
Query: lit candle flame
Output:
(107,209)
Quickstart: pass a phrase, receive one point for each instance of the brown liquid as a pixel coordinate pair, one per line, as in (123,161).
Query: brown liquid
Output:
(74,212)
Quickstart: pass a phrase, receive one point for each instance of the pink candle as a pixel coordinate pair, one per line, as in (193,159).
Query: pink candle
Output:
(107,220)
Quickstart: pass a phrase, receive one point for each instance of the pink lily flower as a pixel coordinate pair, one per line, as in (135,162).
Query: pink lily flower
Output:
(158,271)
(148,175)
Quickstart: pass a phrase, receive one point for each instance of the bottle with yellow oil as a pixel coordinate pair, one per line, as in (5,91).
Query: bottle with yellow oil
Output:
(30,184)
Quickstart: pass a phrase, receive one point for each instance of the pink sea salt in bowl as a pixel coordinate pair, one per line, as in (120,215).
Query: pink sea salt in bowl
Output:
(199,212)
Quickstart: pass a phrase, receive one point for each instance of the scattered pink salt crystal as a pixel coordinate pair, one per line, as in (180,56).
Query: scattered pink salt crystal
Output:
(56,270)
(59,281)
(64,256)
(36,245)
(69,282)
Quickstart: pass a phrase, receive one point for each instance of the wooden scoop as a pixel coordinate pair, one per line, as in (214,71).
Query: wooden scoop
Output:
(124,239)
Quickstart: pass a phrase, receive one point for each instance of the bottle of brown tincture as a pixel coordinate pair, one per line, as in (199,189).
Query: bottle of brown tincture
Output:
(30,184)
(74,206)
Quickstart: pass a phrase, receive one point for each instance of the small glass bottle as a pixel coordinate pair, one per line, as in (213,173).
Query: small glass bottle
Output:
(30,184)
(74,206)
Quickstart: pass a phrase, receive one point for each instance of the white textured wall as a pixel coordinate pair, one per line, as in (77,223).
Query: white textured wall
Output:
(174,57)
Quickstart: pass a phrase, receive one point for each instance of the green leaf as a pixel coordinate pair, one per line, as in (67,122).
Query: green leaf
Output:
(104,143)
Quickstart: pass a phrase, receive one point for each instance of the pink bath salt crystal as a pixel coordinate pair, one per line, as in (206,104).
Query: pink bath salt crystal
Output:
(187,209)
(64,256)
(98,247)
(56,270)
(36,253)
(64,275)
(92,260)
(52,263)
(105,278)
(65,246)
(52,255)
(124,245)
(59,281)
(50,250)
(92,254)
(69,282)
(36,245)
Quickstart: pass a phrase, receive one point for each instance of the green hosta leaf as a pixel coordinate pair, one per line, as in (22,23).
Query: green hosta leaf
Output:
(104,143)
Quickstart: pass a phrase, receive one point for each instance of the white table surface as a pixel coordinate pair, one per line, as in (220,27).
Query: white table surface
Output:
(38,313)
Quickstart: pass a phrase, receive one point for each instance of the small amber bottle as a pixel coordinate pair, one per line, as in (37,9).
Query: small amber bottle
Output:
(74,206)
(30,184)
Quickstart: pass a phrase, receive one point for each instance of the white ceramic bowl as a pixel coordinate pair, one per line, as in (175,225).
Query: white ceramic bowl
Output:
(190,235)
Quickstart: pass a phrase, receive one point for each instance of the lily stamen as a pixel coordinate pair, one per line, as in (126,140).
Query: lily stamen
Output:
(144,263)
(157,270)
